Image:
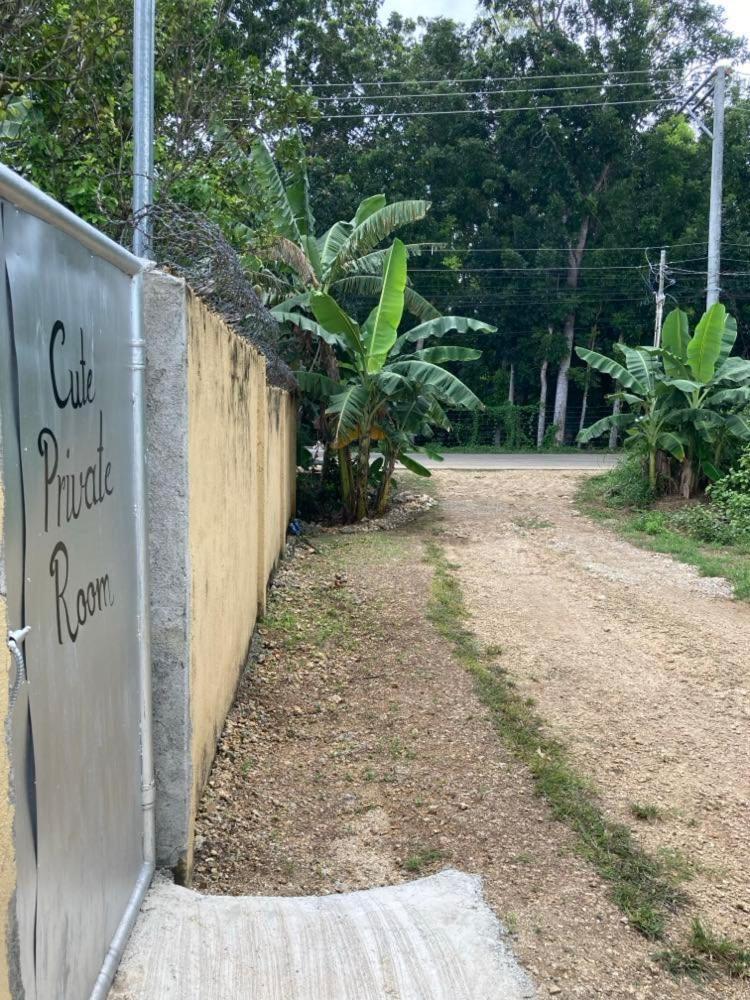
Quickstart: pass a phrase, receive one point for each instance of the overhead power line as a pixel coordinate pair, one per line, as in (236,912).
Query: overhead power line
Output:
(485,79)
(488,111)
(598,85)
(525,270)
(438,248)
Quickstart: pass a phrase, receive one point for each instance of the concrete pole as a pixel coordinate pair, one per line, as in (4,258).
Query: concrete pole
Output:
(713,288)
(660,299)
(144,15)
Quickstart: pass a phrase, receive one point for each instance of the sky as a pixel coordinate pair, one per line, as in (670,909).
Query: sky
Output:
(738,11)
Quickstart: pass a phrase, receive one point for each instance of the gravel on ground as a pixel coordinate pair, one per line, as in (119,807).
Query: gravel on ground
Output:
(358,754)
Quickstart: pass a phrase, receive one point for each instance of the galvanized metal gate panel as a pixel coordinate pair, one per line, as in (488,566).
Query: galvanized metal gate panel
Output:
(67,333)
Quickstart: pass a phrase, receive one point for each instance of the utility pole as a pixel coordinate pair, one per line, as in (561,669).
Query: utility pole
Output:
(144,15)
(694,106)
(713,287)
(660,299)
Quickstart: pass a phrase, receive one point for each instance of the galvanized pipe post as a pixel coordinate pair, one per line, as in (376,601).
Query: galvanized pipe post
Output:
(144,15)
(713,285)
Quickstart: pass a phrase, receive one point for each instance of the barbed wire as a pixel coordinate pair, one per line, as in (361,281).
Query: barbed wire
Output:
(189,245)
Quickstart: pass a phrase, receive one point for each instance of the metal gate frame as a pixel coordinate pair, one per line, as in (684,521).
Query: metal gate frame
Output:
(27,198)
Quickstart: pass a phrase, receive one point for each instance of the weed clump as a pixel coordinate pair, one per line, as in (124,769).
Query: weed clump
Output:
(624,486)
(707,955)
(422,858)
(645,811)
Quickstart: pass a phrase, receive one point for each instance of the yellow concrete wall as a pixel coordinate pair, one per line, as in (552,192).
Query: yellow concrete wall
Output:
(7,854)
(240,436)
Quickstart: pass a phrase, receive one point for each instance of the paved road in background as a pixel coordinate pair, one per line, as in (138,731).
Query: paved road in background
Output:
(583,461)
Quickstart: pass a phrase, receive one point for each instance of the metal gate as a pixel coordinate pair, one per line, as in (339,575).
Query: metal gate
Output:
(72,435)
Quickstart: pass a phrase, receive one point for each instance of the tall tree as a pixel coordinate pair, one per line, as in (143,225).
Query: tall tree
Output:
(611,66)
(66,96)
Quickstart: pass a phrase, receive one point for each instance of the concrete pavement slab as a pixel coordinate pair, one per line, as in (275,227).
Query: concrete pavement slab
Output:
(431,939)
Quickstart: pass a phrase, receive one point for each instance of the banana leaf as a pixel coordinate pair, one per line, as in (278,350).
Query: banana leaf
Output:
(667,441)
(620,420)
(611,367)
(381,326)
(332,317)
(445,352)
(373,229)
(316,385)
(350,406)
(413,466)
(675,336)
(704,348)
(282,213)
(439,382)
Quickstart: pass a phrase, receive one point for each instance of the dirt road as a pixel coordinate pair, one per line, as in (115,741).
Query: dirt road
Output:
(580,461)
(641,667)
(359,754)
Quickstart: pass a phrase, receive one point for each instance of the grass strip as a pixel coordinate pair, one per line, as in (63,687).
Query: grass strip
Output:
(652,531)
(707,955)
(643,887)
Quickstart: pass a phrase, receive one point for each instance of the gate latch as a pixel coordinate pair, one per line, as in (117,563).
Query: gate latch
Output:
(16,640)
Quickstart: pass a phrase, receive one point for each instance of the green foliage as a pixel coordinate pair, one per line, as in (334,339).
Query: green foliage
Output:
(317,497)
(702,540)
(707,955)
(646,811)
(383,398)
(730,496)
(421,859)
(517,180)
(343,259)
(684,399)
(507,427)
(707,523)
(650,522)
(66,104)
(625,486)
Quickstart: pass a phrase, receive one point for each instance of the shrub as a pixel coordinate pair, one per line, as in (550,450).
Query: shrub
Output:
(705,523)
(317,498)
(626,485)
(651,522)
(730,496)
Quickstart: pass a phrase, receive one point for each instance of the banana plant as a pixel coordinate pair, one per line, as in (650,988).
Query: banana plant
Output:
(685,398)
(385,396)
(710,389)
(344,260)
(648,422)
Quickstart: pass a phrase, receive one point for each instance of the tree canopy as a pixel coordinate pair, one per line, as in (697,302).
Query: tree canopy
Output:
(545,135)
